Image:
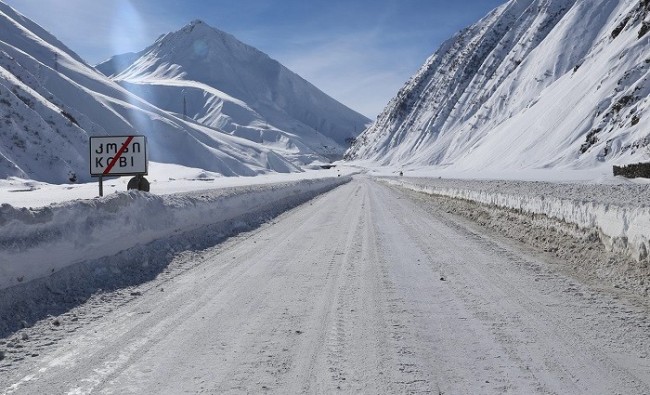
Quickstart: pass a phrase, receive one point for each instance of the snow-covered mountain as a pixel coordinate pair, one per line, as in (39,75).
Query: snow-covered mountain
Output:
(534,84)
(210,77)
(51,101)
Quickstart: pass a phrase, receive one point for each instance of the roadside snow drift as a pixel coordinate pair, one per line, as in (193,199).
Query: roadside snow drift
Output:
(621,216)
(36,243)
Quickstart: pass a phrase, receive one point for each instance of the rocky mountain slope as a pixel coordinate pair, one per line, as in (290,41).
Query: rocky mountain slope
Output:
(534,84)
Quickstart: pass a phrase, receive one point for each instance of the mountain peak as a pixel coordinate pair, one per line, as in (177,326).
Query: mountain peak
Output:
(201,28)
(190,50)
(199,42)
(230,85)
(197,25)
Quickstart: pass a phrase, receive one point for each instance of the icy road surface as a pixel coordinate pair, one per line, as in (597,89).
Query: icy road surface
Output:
(366,289)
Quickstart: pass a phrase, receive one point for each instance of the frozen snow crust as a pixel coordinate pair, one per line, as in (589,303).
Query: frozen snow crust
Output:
(620,214)
(36,243)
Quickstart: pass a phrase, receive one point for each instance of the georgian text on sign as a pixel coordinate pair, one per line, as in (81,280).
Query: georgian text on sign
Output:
(118,155)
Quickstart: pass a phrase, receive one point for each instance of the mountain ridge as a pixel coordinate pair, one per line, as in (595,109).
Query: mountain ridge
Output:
(492,95)
(278,106)
(51,102)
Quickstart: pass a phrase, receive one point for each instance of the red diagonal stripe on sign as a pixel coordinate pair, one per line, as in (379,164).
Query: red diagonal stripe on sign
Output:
(117,156)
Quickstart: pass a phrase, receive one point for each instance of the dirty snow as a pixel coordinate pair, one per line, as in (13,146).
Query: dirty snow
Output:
(620,214)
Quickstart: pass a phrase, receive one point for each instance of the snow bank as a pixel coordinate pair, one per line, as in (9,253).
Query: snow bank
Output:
(620,214)
(36,243)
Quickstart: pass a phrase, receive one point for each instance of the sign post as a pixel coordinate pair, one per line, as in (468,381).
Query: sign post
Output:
(117,156)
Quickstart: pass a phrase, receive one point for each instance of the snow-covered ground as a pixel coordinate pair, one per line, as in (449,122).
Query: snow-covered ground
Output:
(366,289)
(164,178)
(40,241)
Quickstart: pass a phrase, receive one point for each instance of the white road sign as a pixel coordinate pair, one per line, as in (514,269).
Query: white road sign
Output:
(118,155)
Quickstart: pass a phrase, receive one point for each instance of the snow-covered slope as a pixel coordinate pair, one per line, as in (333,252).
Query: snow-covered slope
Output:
(51,102)
(211,77)
(535,84)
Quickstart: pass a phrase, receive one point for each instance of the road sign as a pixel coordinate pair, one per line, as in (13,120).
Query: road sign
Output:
(118,155)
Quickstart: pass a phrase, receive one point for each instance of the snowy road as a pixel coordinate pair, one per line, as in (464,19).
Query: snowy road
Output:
(366,289)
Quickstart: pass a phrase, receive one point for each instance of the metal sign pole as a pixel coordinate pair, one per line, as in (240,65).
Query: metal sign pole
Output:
(101,186)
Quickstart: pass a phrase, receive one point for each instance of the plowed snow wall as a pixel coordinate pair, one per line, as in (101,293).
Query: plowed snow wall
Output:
(35,243)
(624,229)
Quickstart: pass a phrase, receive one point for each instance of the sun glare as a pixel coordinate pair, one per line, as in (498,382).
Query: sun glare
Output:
(127,31)
(127,28)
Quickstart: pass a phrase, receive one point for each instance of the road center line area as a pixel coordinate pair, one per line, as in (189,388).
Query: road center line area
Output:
(364,289)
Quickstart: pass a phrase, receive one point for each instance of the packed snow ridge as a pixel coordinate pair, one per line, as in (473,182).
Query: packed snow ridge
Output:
(534,84)
(38,242)
(620,215)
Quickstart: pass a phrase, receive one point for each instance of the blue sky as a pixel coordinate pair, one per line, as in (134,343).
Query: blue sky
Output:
(360,52)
